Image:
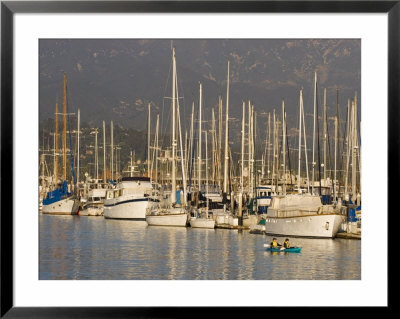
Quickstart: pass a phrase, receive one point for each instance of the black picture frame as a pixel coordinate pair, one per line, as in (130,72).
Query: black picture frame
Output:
(9,8)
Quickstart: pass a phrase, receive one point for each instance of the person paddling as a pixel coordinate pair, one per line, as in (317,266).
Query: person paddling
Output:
(274,243)
(286,244)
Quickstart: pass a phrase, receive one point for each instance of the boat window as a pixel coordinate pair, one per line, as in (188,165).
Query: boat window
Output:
(96,199)
(109,195)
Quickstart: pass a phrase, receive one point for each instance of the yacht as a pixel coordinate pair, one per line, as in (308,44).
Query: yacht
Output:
(131,198)
(303,216)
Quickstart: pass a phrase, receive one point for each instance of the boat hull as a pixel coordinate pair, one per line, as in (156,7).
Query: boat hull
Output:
(318,226)
(179,220)
(67,206)
(285,250)
(130,209)
(202,223)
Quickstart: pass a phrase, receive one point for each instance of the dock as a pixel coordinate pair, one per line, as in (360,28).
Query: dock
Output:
(257,231)
(228,226)
(346,235)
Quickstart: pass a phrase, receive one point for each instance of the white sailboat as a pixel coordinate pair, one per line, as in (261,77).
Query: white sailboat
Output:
(202,219)
(61,201)
(172,214)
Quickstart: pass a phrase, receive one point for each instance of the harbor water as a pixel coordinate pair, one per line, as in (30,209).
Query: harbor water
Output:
(94,248)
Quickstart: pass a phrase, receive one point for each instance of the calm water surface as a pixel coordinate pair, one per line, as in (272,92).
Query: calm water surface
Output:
(82,247)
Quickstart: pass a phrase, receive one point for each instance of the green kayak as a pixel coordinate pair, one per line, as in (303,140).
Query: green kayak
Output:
(286,250)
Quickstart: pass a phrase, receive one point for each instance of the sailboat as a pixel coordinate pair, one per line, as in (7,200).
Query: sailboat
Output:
(61,201)
(173,213)
(202,219)
(95,189)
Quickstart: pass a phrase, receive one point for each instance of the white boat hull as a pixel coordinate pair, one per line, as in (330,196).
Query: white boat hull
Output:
(167,220)
(320,226)
(202,223)
(68,206)
(132,209)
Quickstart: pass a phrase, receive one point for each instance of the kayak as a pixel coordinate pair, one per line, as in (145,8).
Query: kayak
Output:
(286,250)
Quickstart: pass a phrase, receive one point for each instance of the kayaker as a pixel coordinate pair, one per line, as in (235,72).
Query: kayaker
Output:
(286,243)
(274,243)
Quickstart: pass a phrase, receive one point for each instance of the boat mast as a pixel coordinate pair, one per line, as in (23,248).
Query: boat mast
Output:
(205,133)
(348,147)
(325,134)
(148,143)
(284,145)
(299,176)
(77,168)
(313,150)
(191,147)
(213,162)
(274,147)
(334,177)
(305,143)
(173,168)
(219,141)
(253,152)
(318,147)
(269,146)
(104,153)
(226,137)
(339,150)
(264,156)
(354,155)
(56,148)
(112,151)
(181,147)
(242,150)
(249,184)
(242,164)
(96,155)
(199,155)
(65,129)
(156,148)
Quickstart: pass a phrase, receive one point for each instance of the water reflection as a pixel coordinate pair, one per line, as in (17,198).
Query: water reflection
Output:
(81,247)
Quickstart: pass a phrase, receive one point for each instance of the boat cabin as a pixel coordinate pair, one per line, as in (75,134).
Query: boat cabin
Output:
(264,198)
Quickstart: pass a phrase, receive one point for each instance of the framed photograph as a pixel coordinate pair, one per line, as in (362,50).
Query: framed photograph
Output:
(160,156)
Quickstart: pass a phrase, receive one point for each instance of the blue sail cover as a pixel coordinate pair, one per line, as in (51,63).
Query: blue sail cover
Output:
(57,194)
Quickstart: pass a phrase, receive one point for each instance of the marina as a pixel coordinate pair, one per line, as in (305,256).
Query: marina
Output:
(199,194)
